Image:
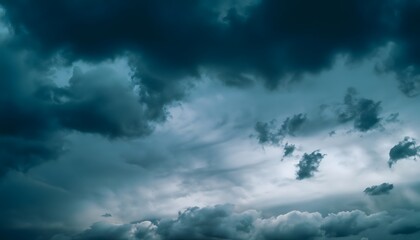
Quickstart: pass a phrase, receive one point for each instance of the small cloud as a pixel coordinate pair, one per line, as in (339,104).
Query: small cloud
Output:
(407,148)
(309,164)
(269,133)
(363,112)
(106,215)
(288,150)
(381,189)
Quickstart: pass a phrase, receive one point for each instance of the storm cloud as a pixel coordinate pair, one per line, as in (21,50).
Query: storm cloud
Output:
(116,114)
(268,39)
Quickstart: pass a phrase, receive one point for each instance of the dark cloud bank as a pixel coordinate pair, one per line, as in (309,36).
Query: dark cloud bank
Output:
(222,222)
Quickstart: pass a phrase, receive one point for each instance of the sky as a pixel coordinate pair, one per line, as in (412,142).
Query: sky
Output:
(212,119)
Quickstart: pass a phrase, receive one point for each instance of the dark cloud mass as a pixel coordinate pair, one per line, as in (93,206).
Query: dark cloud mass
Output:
(407,148)
(384,188)
(308,165)
(269,39)
(222,222)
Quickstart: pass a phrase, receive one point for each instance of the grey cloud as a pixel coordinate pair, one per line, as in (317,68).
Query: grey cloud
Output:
(270,133)
(383,188)
(98,101)
(267,39)
(350,223)
(267,134)
(408,223)
(293,124)
(291,226)
(308,165)
(288,149)
(363,112)
(222,222)
(28,133)
(106,215)
(407,148)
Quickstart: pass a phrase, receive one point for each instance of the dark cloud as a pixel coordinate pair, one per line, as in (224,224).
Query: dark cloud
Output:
(100,102)
(268,39)
(293,124)
(288,149)
(407,148)
(270,133)
(308,165)
(363,112)
(222,222)
(106,215)
(28,133)
(267,133)
(36,114)
(380,189)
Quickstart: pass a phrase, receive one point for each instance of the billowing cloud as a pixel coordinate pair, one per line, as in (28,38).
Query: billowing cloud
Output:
(380,189)
(350,223)
(308,164)
(222,222)
(268,39)
(101,102)
(407,148)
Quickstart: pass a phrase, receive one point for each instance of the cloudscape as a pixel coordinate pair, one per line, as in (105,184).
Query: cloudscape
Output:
(212,119)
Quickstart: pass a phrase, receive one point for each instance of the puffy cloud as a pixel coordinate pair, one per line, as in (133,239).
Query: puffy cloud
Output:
(290,226)
(407,148)
(383,188)
(222,222)
(344,224)
(308,165)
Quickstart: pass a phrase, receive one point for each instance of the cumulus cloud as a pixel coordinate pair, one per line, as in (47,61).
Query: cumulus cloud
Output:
(350,223)
(384,188)
(407,148)
(308,165)
(222,222)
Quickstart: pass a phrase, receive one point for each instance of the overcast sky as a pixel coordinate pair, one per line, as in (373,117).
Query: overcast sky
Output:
(213,119)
